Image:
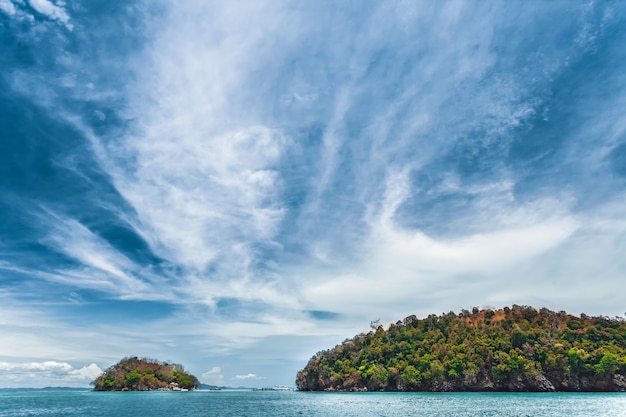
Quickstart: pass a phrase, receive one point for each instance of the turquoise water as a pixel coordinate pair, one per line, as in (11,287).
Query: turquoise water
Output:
(15,403)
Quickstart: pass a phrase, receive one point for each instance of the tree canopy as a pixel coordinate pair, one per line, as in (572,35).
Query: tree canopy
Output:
(135,374)
(511,349)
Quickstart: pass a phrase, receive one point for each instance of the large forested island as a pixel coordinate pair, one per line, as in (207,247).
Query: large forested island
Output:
(134,374)
(511,349)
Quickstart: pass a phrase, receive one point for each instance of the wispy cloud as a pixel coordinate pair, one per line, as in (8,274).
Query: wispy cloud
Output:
(19,10)
(52,11)
(99,265)
(7,7)
(246,376)
(213,376)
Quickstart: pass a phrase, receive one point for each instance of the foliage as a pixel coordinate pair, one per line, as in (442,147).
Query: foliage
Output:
(496,347)
(134,374)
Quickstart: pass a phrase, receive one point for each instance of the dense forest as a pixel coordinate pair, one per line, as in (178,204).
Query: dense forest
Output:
(134,374)
(511,349)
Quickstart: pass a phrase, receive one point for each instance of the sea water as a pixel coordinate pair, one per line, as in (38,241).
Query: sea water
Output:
(52,403)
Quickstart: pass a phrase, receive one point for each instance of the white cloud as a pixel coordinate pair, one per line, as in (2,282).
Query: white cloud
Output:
(102,266)
(86,373)
(203,178)
(202,165)
(7,7)
(246,376)
(54,12)
(213,377)
(48,373)
(401,268)
(209,190)
(48,366)
(492,250)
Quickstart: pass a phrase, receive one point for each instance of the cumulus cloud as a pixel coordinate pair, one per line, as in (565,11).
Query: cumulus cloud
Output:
(48,366)
(213,376)
(86,373)
(48,373)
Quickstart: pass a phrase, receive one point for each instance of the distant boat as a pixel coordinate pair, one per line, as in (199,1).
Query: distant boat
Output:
(274,388)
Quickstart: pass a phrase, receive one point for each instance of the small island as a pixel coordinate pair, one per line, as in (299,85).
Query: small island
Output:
(135,374)
(510,349)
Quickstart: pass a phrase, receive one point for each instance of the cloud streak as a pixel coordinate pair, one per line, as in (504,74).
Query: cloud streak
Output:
(18,10)
(52,11)
(7,7)
(246,376)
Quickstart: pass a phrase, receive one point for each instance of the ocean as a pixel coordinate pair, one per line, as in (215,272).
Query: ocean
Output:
(56,403)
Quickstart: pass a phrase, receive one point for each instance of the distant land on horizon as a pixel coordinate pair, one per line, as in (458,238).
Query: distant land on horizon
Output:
(47,388)
(509,349)
(62,388)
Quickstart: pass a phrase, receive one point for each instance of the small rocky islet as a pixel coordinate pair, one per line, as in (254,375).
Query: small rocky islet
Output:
(510,349)
(135,374)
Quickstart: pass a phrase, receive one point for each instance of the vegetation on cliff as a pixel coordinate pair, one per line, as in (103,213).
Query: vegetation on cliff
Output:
(134,374)
(512,349)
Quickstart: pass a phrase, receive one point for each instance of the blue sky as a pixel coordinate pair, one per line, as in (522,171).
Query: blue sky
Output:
(235,186)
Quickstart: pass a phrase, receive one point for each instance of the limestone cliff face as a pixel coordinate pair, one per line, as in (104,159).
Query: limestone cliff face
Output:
(512,349)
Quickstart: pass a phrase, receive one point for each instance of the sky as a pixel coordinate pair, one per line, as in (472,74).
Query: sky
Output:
(234,186)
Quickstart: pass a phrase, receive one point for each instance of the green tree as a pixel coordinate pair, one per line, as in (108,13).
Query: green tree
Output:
(132,379)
